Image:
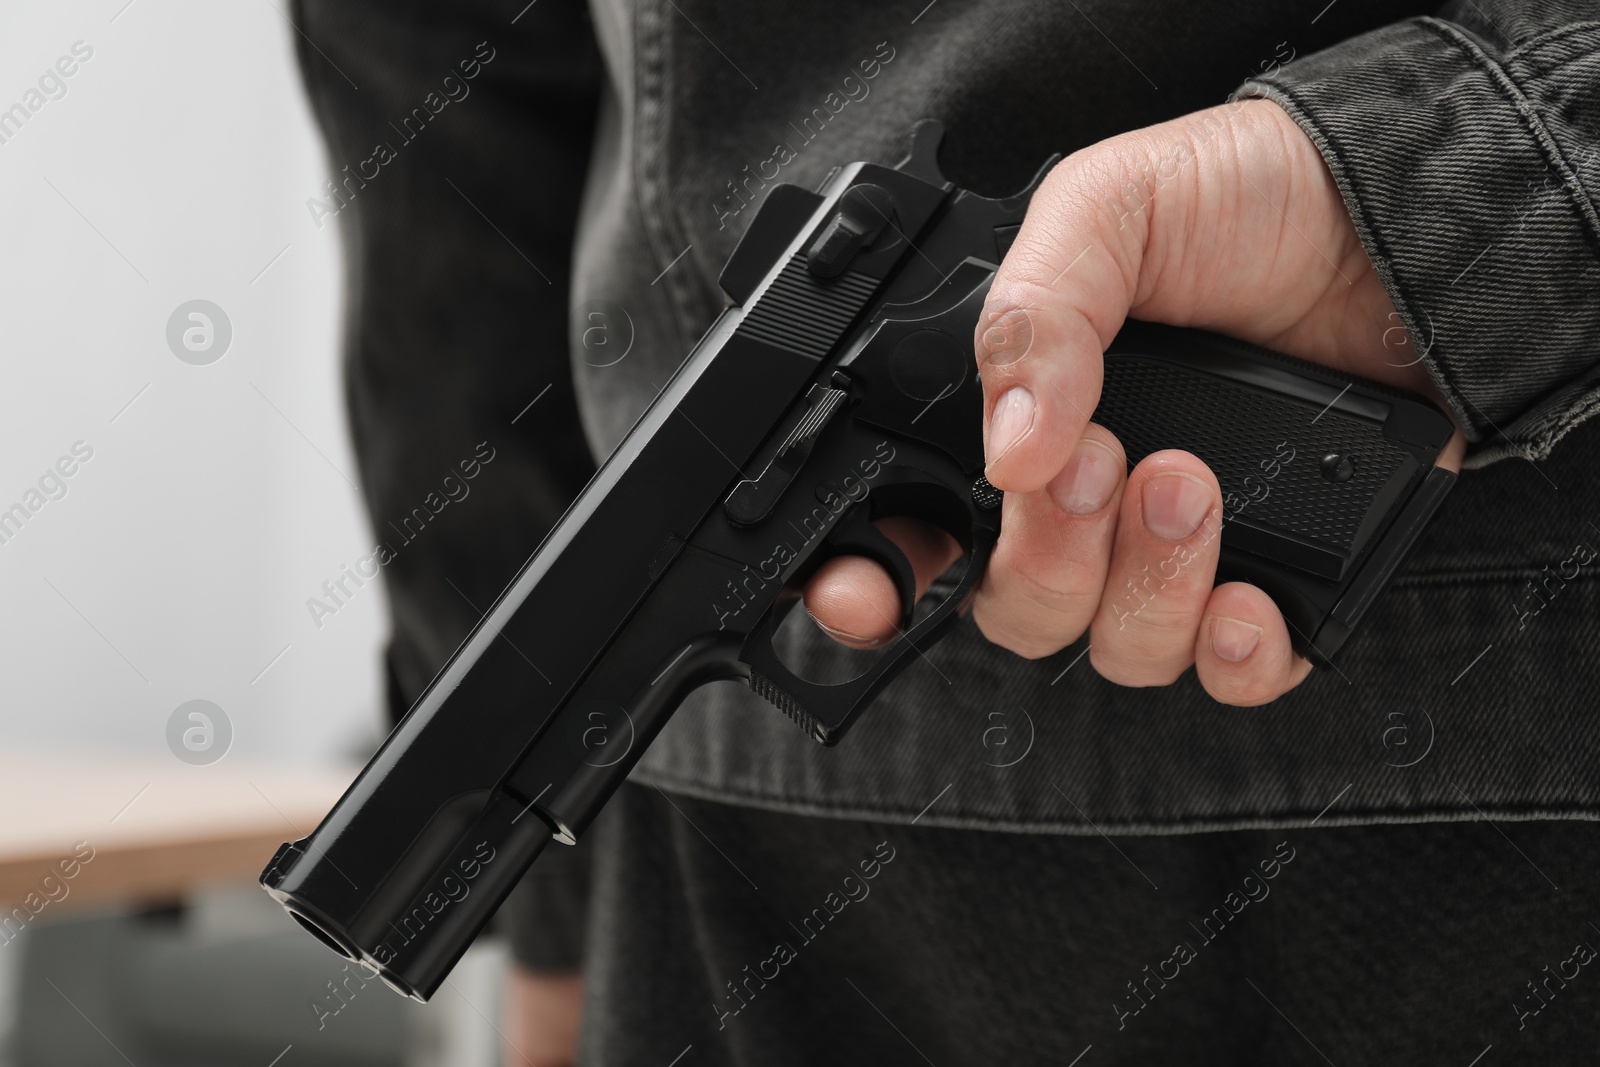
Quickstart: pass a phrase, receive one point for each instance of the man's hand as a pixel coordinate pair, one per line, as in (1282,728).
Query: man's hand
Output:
(1226,220)
(542,1011)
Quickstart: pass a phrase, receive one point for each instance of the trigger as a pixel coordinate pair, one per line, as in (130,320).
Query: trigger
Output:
(855,536)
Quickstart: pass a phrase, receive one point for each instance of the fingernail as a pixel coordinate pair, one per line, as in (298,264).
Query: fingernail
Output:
(1233,640)
(1175,504)
(1012,418)
(1088,480)
(845,636)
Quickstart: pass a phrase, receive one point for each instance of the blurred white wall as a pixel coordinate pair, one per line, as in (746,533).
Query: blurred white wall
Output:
(175,167)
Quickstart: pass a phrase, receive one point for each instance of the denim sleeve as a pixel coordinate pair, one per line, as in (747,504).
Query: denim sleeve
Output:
(1465,147)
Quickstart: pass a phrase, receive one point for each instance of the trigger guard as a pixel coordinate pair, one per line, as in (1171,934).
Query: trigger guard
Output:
(826,710)
(854,535)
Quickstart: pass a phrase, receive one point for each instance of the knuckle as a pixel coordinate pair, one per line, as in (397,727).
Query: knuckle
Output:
(1084,175)
(1058,582)
(1002,629)
(1005,333)
(1158,601)
(1069,610)
(1053,583)
(1126,666)
(1152,642)
(1111,181)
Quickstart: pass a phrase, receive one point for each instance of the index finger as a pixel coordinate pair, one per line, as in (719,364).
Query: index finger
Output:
(1058,299)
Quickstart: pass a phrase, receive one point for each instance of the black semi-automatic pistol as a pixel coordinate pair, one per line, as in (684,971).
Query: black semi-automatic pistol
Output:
(837,388)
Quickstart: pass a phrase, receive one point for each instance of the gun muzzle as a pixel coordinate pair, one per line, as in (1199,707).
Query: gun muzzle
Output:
(411,930)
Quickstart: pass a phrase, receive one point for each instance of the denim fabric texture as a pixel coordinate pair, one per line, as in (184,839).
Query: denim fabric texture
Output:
(1469,157)
(683,131)
(451,328)
(598,169)
(1371,945)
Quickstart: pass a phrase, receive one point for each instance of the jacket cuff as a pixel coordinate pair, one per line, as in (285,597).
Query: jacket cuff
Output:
(1468,177)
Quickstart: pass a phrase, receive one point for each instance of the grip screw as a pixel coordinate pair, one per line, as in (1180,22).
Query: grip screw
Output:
(1337,467)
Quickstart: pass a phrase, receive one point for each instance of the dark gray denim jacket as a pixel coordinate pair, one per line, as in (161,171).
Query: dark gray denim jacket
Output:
(1465,147)
(1464,142)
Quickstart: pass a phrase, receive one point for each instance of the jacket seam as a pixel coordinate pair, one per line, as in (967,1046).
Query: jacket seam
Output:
(652,90)
(1523,105)
(1550,37)
(1499,576)
(1583,812)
